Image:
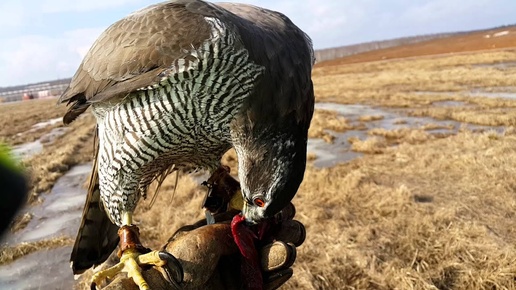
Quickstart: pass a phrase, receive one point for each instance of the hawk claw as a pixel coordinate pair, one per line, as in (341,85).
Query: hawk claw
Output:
(134,258)
(172,271)
(132,263)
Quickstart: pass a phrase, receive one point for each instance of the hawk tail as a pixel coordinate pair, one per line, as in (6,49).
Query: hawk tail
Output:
(97,236)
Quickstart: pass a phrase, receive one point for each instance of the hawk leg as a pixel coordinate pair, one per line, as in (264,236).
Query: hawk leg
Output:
(134,256)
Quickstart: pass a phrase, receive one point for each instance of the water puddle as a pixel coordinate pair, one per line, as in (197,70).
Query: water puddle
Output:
(494,95)
(47,123)
(58,215)
(329,155)
(40,270)
(451,104)
(339,151)
(60,212)
(499,65)
(27,149)
(41,125)
(473,93)
(32,148)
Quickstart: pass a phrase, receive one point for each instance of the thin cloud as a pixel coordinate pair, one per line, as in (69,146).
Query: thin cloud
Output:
(60,6)
(33,58)
(12,15)
(31,52)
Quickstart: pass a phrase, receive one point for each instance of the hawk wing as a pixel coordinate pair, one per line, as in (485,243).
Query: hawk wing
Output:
(134,53)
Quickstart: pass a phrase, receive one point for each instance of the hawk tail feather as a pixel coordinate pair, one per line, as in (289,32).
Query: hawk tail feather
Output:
(97,236)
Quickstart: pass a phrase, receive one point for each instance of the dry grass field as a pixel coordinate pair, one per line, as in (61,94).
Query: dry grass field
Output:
(417,210)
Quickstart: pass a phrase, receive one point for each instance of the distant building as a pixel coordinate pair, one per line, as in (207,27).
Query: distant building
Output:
(41,90)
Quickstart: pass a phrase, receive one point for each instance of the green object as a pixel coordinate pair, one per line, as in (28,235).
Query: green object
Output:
(13,188)
(8,160)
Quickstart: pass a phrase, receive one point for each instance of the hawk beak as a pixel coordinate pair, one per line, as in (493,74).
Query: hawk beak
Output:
(237,201)
(244,208)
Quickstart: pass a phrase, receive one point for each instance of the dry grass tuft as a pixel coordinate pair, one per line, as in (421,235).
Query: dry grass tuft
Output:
(433,126)
(402,135)
(184,207)
(325,120)
(487,117)
(20,222)
(369,118)
(372,145)
(9,254)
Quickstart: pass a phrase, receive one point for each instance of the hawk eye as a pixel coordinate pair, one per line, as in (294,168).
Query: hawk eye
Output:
(258,201)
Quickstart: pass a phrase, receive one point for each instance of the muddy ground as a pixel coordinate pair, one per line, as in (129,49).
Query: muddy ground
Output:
(410,184)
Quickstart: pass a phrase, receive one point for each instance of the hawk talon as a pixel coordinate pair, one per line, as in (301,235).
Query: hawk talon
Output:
(133,259)
(173,275)
(132,263)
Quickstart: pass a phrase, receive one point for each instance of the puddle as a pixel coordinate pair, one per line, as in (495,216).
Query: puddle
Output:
(32,148)
(502,95)
(41,125)
(46,123)
(27,149)
(426,93)
(40,270)
(473,93)
(340,151)
(58,215)
(451,104)
(329,155)
(500,65)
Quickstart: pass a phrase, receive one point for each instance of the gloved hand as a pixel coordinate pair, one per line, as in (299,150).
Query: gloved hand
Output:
(210,258)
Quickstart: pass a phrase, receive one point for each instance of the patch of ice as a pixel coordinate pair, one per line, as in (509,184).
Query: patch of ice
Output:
(51,227)
(40,270)
(27,149)
(47,123)
(501,95)
(60,211)
(32,148)
(501,33)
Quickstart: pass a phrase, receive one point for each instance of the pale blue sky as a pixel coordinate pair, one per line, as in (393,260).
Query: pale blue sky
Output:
(46,39)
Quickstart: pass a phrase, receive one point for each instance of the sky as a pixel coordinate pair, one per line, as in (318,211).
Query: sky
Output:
(43,40)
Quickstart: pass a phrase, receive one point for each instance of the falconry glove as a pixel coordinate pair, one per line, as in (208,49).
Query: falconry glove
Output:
(210,259)
(206,254)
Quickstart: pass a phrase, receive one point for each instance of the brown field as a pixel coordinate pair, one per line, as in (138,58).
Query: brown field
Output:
(419,210)
(476,41)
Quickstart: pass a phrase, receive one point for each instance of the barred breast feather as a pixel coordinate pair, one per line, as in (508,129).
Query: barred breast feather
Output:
(183,120)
